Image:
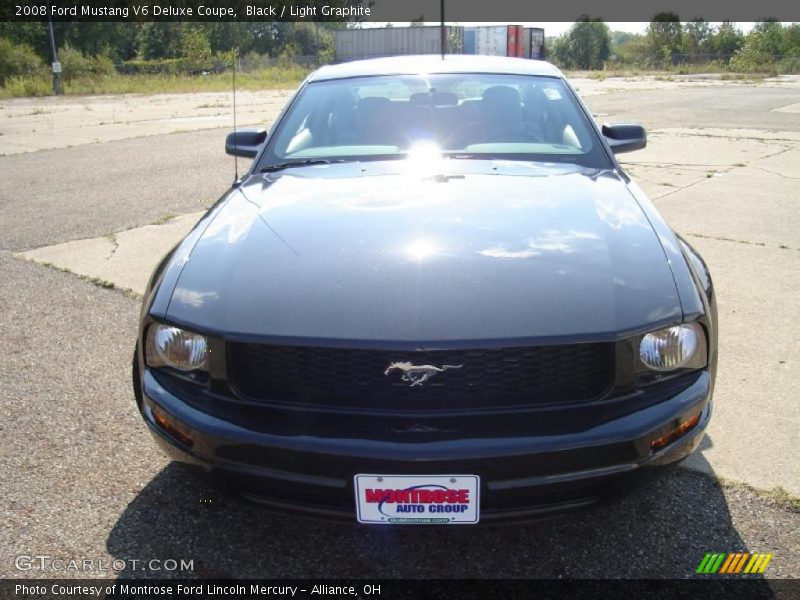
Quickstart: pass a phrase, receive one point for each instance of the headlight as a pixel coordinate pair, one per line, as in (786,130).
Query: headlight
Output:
(169,346)
(674,347)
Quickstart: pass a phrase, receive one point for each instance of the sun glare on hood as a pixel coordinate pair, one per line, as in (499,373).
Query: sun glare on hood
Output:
(421,249)
(424,157)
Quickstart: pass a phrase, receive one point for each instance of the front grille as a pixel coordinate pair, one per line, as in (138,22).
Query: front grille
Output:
(489,378)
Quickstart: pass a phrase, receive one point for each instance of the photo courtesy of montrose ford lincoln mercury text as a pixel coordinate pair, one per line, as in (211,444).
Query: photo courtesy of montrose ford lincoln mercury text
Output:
(435,297)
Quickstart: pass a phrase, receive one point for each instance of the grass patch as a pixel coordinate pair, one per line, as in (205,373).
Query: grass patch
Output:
(103,283)
(50,265)
(268,78)
(26,86)
(96,281)
(667,73)
(164,219)
(597,75)
(749,77)
(777,496)
(33,113)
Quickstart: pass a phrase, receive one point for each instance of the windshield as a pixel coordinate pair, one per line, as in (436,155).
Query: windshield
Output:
(461,114)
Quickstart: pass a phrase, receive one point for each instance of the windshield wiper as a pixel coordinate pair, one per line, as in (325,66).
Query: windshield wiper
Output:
(300,163)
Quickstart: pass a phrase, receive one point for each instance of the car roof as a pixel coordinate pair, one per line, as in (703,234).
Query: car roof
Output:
(421,64)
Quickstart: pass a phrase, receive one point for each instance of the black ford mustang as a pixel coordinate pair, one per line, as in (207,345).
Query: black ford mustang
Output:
(434,298)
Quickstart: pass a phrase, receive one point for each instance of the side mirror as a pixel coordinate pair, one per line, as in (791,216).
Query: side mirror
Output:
(245,142)
(625,138)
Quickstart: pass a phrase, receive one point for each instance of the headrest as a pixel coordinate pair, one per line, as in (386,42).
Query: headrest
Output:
(374,107)
(445,99)
(533,96)
(501,96)
(420,99)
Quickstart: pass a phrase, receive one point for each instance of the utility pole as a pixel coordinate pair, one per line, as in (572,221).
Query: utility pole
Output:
(442,29)
(57,88)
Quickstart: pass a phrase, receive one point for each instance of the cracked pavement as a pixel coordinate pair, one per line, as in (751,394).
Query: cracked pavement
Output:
(83,479)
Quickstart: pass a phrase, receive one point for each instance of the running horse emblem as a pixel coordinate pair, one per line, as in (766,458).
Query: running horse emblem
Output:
(417,374)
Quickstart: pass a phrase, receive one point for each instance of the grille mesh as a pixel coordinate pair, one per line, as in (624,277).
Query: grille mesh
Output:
(354,378)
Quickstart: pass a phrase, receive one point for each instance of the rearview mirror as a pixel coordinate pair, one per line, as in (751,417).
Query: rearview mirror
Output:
(245,142)
(625,137)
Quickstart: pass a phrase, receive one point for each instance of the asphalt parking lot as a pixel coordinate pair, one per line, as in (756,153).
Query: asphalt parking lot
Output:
(81,478)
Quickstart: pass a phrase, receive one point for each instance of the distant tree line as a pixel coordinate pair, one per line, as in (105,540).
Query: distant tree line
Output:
(103,48)
(96,47)
(668,42)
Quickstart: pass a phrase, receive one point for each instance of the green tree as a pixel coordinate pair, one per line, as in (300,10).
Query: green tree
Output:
(791,35)
(113,39)
(17,60)
(195,44)
(727,40)
(620,39)
(559,51)
(157,40)
(629,48)
(226,36)
(768,35)
(33,35)
(766,46)
(587,45)
(697,37)
(664,38)
(76,64)
(306,37)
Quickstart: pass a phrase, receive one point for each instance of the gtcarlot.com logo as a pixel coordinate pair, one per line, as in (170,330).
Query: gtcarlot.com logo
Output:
(45,562)
(733,563)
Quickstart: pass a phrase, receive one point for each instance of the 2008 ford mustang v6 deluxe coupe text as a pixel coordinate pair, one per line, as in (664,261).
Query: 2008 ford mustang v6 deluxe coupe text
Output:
(435,297)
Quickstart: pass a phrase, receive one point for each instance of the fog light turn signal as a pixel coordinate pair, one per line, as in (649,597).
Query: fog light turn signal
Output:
(173,428)
(665,440)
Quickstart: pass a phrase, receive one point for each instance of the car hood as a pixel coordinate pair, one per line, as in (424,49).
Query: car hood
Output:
(489,251)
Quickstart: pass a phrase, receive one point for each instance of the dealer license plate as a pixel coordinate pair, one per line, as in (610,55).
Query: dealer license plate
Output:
(417,499)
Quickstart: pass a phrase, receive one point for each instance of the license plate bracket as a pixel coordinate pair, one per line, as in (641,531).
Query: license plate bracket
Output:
(417,499)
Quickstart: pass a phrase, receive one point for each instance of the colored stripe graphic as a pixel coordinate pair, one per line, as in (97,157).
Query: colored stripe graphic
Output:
(762,567)
(734,562)
(752,564)
(729,562)
(740,563)
(709,568)
(759,563)
(703,563)
(713,567)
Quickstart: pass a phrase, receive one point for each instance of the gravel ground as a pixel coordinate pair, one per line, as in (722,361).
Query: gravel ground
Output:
(662,530)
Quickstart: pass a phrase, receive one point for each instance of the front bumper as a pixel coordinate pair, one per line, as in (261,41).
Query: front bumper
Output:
(522,477)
